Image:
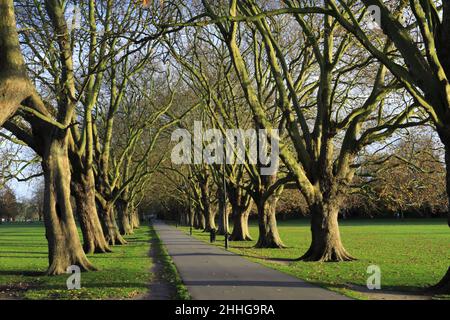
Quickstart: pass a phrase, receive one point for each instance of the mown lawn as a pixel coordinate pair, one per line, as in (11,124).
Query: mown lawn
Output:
(412,254)
(123,274)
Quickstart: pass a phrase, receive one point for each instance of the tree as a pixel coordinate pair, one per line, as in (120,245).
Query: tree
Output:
(424,68)
(15,86)
(216,86)
(406,177)
(8,204)
(48,135)
(321,172)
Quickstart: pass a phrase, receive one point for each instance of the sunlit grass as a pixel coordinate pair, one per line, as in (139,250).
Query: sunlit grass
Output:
(123,274)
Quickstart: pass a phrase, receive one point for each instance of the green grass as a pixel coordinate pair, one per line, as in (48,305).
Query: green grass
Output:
(123,274)
(412,254)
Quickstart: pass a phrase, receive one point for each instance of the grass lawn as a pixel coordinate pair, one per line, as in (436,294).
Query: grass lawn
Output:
(412,254)
(123,274)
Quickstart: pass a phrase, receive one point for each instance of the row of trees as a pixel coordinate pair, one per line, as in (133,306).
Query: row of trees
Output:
(84,87)
(338,90)
(407,179)
(95,103)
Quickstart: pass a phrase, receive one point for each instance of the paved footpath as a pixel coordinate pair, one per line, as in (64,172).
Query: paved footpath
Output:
(212,273)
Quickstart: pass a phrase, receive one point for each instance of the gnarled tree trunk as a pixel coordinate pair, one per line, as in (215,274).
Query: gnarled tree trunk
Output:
(209,215)
(199,221)
(64,244)
(83,187)
(14,83)
(240,223)
(191,216)
(124,217)
(268,230)
(444,285)
(109,225)
(326,244)
(135,221)
(223,226)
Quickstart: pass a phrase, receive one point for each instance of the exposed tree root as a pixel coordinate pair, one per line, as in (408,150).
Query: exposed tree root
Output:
(239,237)
(328,254)
(269,242)
(59,266)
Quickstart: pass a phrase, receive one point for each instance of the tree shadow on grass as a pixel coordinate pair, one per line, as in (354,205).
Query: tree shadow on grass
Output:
(22,257)
(242,247)
(87,285)
(25,273)
(25,252)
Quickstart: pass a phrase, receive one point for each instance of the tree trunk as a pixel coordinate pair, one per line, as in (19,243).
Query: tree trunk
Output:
(64,244)
(444,285)
(268,230)
(135,221)
(196,220)
(326,242)
(124,217)
(14,83)
(223,226)
(109,225)
(191,216)
(209,215)
(210,223)
(200,222)
(83,187)
(240,224)
(446,143)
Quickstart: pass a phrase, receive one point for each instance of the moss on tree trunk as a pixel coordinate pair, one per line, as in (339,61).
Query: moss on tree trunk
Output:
(223,226)
(124,217)
(209,215)
(326,244)
(14,83)
(240,224)
(83,187)
(109,225)
(64,244)
(268,230)
(135,221)
(199,221)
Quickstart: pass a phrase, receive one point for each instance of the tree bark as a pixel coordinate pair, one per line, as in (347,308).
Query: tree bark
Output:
(240,224)
(199,221)
(444,285)
(326,242)
(210,223)
(191,216)
(64,244)
(14,84)
(135,221)
(268,230)
(446,142)
(83,187)
(223,226)
(124,217)
(209,215)
(109,225)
